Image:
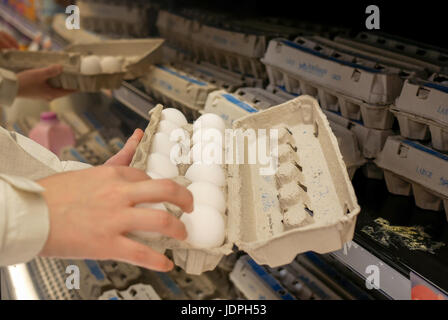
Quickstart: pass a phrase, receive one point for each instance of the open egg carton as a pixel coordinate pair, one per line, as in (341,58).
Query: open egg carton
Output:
(90,67)
(432,58)
(305,203)
(177,88)
(363,79)
(410,167)
(422,110)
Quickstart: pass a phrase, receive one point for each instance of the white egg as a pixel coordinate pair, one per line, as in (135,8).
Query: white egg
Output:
(207,135)
(210,120)
(174,116)
(212,173)
(161,144)
(167,127)
(90,65)
(111,64)
(208,153)
(205,227)
(161,165)
(208,194)
(154,175)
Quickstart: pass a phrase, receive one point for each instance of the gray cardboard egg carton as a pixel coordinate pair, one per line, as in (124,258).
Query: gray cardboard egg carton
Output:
(221,80)
(372,116)
(422,111)
(248,80)
(302,217)
(365,80)
(177,89)
(412,168)
(432,58)
(260,98)
(147,52)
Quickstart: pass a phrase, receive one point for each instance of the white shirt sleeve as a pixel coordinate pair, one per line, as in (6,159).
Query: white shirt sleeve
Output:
(24,218)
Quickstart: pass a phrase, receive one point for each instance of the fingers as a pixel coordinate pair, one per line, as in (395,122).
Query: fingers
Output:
(7,41)
(139,219)
(160,190)
(130,251)
(124,156)
(54,93)
(131,174)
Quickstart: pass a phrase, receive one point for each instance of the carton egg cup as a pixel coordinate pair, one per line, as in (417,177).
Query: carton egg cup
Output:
(307,203)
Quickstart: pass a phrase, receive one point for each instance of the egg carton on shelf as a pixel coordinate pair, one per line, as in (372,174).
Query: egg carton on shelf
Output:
(177,88)
(136,292)
(122,275)
(228,106)
(220,79)
(349,147)
(432,58)
(371,171)
(407,69)
(410,167)
(365,80)
(371,141)
(316,211)
(260,98)
(421,109)
(176,29)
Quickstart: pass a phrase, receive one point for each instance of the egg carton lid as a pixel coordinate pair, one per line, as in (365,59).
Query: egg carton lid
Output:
(249,218)
(147,51)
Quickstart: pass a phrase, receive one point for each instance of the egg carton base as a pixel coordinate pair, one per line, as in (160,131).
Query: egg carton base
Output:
(372,116)
(417,128)
(424,198)
(371,171)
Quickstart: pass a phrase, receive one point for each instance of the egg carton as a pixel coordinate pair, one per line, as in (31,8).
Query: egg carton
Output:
(122,275)
(371,141)
(258,97)
(281,92)
(422,109)
(136,292)
(177,88)
(317,212)
(228,106)
(406,69)
(372,116)
(138,54)
(432,58)
(176,29)
(410,167)
(365,80)
(371,171)
(349,147)
(220,79)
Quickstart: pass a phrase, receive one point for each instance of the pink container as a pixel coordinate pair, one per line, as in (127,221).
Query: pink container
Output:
(51,133)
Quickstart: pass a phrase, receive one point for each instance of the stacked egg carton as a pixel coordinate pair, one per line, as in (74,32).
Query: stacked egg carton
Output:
(351,83)
(306,205)
(410,167)
(177,89)
(233,50)
(90,67)
(136,292)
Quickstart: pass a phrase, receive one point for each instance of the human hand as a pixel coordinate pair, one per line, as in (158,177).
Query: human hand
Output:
(33,83)
(92,210)
(125,155)
(7,42)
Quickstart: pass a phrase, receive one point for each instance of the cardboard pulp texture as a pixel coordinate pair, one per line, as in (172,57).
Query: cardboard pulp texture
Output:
(371,141)
(349,147)
(422,108)
(138,55)
(221,80)
(260,98)
(308,203)
(410,167)
(432,58)
(372,83)
(406,69)
(176,29)
(228,106)
(177,88)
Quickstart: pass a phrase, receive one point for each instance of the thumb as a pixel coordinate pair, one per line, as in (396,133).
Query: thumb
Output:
(124,156)
(48,72)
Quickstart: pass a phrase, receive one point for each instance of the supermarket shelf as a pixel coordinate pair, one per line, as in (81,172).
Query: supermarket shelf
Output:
(134,99)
